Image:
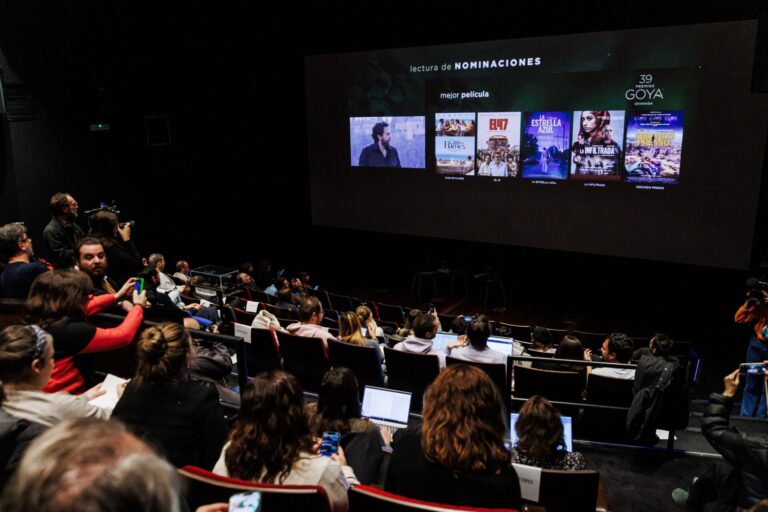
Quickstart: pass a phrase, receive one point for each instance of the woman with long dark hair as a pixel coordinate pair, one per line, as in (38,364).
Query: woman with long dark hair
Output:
(272,441)
(458,456)
(540,438)
(60,302)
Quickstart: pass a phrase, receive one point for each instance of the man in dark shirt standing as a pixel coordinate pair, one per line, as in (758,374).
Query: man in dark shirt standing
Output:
(380,153)
(62,233)
(16,249)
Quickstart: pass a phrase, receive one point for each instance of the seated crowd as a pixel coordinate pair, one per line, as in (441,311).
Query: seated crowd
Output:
(170,413)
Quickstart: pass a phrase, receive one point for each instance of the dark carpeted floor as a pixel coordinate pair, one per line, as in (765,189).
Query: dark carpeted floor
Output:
(640,480)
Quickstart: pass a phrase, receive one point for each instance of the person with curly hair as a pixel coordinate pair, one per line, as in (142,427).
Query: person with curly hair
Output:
(458,456)
(540,440)
(272,442)
(162,405)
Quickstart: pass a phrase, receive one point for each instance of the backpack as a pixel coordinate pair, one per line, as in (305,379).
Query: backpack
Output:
(642,416)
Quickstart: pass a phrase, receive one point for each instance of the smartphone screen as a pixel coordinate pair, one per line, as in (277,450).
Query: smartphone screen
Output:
(245,502)
(138,286)
(752,368)
(330,443)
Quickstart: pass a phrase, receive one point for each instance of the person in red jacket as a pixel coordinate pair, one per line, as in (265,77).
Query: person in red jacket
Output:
(755,311)
(60,301)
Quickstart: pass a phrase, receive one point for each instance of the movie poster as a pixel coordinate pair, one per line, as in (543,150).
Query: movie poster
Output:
(596,152)
(498,144)
(545,150)
(455,143)
(654,147)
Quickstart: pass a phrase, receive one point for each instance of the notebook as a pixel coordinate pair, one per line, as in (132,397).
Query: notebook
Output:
(386,407)
(567,430)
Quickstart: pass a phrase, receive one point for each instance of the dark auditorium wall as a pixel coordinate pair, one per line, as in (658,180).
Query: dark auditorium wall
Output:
(233,183)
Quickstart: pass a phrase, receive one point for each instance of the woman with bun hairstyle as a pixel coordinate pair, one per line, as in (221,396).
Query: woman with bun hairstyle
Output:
(59,302)
(181,417)
(26,363)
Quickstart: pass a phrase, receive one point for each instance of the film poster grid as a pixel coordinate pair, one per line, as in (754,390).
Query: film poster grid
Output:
(586,145)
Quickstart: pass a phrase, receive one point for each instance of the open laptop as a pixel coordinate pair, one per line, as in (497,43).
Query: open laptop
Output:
(500,344)
(387,407)
(442,340)
(567,430)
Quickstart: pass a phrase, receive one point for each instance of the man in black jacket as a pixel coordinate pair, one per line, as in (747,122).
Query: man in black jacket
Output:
(62,233)
(741,479)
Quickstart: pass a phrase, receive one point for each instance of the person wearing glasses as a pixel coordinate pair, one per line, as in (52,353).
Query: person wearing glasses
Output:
(63,232)
(20,270)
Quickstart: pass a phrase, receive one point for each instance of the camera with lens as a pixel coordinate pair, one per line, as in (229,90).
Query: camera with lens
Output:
(112,208)
(755,294)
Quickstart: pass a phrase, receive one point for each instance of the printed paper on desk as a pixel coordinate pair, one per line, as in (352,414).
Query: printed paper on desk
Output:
(530,481)
(109,399)
(251,306)
(244,331)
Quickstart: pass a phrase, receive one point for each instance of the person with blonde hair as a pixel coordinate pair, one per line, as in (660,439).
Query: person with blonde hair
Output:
(183,418)
(350,331)
(458,456)
(366,318)
(540,440)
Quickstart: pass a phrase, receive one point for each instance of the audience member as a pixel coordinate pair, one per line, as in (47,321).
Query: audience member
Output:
(755,311)
(181,417)
(124,259)
(278,284)
(21,268)
(92,260)
(372,330)
(541,338)
(297,288)
(653,360)
(738,481)
(285,300)
(182,272)
(272,442)
(26,362)
(477,349)
(310,318)
(166,284)
(59,303)
(425,328)
(62,232)
(458,456)
(459,325)
(89,465)
(350,331)
(616,348)
(540,440)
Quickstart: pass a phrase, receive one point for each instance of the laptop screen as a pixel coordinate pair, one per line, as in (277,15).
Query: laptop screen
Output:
(499,344)
(442,339)
(386,404)
(567,431)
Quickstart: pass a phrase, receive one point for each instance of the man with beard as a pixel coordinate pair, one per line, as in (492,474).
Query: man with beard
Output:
(62,233)
(21,269)
(380,153)
(92,261)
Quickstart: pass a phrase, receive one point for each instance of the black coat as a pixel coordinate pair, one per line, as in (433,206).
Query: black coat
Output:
(748,453)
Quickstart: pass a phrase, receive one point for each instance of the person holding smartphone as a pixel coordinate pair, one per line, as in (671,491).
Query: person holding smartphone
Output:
(755,311)
(739,480)
(272,442)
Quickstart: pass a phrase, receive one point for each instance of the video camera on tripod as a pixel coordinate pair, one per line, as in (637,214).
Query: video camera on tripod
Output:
(109,207)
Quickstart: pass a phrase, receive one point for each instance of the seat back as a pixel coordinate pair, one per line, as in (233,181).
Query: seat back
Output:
(305,358)
(593,340)
(411,372)
(391,313)
(282,312)
(340,302)
(519,332)
(11,312)
(561,491)
(244,317)
(201,487)
(362,361)
(553,385)
(370,499)
(606,424)
(262,353)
